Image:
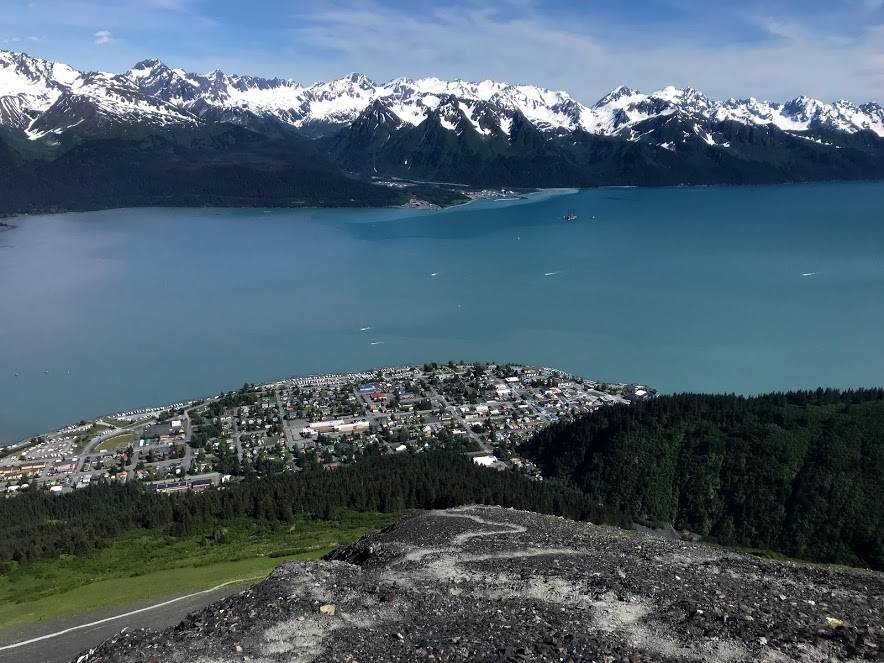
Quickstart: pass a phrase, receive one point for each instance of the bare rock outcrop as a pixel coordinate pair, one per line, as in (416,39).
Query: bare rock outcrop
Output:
(491,584)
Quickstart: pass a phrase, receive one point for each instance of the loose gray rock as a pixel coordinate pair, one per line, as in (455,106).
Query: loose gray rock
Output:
(491,584)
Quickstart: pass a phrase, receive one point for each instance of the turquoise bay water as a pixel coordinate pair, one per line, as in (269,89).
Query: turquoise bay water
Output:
(682,289)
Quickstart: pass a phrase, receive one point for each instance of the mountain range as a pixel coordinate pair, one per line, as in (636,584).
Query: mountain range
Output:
(353,129)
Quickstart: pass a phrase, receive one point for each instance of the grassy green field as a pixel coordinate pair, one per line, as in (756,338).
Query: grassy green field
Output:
(85,437)
(125,423)
(148,564)
(115,442)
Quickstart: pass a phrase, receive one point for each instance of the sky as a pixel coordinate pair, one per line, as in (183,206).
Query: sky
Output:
(771,49)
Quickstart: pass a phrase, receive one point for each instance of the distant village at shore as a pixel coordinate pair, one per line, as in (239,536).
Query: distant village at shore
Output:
(483,410)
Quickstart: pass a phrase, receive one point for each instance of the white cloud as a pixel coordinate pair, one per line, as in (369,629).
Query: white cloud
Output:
(755,47)
(16,39)
(103,37)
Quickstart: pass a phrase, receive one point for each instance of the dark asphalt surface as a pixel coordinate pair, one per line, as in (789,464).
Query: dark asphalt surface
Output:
(63,648)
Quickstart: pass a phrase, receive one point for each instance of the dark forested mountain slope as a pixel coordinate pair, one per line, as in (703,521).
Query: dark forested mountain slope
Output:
(800,473)
(666,151)
(221,165)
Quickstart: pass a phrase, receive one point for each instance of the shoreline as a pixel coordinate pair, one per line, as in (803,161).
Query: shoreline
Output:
(353,375)
(424,207)
(526,196)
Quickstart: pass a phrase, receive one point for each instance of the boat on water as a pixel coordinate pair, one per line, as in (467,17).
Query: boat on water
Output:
(571,215)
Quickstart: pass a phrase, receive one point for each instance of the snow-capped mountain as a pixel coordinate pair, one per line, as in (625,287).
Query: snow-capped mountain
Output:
(483,104)
(42,97)
(154,135)
(29,86)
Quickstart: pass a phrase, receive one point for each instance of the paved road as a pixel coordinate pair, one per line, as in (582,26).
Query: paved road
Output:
(70,636)
(94,442)
(289,439)
(236,441)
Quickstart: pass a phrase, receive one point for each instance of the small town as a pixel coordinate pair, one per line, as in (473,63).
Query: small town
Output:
(483,410)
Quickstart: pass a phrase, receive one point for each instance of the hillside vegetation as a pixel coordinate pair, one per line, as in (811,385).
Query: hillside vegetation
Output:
(142,564)
(799,473)
(38,525)
(220,166)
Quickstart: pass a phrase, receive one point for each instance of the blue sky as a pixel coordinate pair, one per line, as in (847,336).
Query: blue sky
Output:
(773,49)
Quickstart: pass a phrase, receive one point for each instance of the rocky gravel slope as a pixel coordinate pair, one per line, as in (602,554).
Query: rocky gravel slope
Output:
(490,584)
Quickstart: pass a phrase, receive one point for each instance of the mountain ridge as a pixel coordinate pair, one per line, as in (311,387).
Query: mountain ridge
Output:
(151,91)
(382,143)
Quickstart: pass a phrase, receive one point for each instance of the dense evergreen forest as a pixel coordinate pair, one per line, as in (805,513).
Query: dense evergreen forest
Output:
(39,525)
(216,166)
(800,473)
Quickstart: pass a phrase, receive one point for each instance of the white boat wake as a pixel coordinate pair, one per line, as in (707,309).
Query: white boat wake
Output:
(551,273)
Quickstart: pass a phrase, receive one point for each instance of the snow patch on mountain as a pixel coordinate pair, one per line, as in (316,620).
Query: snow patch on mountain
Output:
(35,94)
